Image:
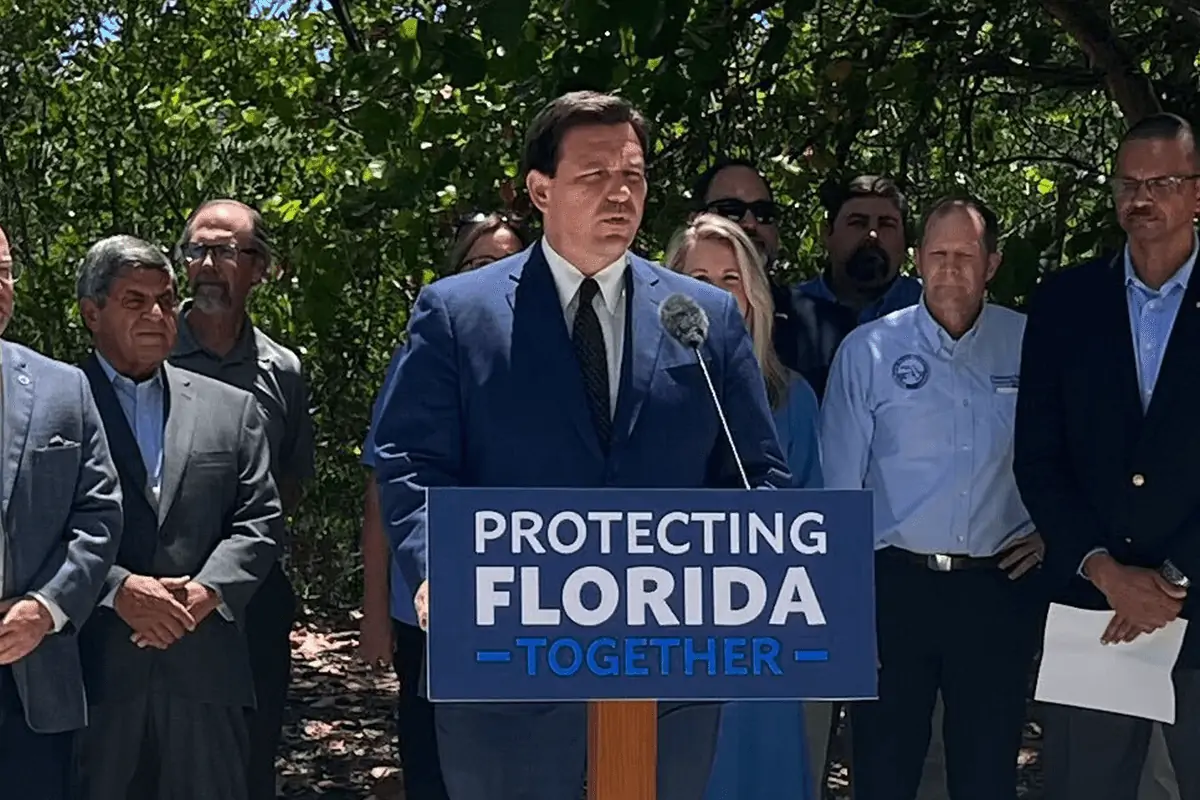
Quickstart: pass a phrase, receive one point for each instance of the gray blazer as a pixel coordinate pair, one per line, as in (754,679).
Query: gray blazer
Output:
(61,507)
(217,519)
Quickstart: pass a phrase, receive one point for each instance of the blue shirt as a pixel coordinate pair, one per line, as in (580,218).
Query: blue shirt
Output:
(1151,318)
(903,293)
(402,595)
(926,422)
(797,421)
(143,405)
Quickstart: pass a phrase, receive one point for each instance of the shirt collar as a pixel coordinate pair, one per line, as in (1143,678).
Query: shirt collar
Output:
(937,337)
(186,342)
(820,288)
(117,378)
(568,278)
(1177,281)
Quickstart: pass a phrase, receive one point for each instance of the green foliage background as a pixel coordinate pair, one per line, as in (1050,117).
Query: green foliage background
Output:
(363,128)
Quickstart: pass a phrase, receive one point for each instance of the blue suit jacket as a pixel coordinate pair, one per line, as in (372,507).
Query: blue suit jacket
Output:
(62,521)
(487,391)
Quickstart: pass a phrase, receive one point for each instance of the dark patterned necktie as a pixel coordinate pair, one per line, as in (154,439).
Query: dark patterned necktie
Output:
(593,360)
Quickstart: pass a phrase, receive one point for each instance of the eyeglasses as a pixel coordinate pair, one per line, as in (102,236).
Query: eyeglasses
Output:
(764,211)
(195,252)
(1158,187)
(10,271)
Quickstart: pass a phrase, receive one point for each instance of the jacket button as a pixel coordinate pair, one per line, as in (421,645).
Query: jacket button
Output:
(1139,479)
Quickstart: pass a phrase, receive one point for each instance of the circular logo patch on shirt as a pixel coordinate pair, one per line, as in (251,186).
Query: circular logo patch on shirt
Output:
(910,371)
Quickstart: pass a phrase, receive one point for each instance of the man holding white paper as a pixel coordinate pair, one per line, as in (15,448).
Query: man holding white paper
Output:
(1108,456)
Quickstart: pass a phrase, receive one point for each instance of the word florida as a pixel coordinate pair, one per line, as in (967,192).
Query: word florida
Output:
(594,595)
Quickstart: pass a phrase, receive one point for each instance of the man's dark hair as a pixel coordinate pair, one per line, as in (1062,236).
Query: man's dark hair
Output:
(836,195)
(991,223)
(704,182)
(1162,126)
(572,110)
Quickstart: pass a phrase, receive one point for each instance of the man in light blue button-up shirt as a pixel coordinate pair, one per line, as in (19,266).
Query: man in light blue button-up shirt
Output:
(920,409)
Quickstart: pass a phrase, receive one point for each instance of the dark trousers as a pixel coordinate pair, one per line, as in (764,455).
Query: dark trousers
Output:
(422,769)
(32,765)
(1096,755)
(159,746)
(971,634)
(269,618)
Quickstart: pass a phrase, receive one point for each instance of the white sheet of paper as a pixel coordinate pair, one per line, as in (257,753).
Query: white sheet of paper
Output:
(1131,678)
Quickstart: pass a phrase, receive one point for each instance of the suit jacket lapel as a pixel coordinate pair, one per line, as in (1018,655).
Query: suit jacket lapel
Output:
(121,441)
(1124,365)
(643,342)
(541,345)
(18,409)
(177,438)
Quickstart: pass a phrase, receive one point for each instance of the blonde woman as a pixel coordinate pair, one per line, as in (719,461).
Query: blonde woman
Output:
(761,748)
(715,250)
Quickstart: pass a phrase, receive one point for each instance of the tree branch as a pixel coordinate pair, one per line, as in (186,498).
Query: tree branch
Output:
(1124,79)
(341,13)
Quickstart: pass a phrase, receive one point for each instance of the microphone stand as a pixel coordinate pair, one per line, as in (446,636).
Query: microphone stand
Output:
(721,414)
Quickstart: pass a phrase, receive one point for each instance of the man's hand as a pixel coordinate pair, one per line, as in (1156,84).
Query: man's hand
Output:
(148,606)
(1121,629)
(1023,555)
(198,600)
(375,640)
(1142,599)
(421,604)
(25,624)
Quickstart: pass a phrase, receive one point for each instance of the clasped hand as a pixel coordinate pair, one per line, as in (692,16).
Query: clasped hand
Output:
(162,610)
(25,622)
(1141,599)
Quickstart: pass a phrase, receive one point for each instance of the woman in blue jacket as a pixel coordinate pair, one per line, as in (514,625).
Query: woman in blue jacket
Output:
(761,748)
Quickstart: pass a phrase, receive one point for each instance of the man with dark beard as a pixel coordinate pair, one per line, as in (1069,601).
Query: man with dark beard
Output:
(227,252)
(865,242)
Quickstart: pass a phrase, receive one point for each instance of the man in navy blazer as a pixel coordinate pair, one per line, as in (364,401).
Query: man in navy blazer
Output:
(550,368)
(60,527)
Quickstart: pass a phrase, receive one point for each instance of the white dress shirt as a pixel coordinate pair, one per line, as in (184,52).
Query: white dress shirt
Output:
(56,613)
(610,304)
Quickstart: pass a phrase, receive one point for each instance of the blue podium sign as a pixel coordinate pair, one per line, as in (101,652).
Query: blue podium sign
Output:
(604,594)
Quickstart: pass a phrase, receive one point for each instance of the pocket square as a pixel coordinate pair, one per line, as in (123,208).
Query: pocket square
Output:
(58,441)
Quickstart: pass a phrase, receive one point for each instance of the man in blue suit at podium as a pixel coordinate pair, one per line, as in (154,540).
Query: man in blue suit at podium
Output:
(551,368)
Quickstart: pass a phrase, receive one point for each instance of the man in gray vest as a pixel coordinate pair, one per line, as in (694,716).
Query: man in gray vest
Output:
(165,656)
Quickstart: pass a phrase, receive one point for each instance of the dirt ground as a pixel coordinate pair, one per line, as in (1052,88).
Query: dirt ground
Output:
(339,741)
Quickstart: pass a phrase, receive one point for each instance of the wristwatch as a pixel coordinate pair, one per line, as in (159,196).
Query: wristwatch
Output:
(1173,576)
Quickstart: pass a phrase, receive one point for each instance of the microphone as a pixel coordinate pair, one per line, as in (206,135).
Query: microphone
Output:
(686,322)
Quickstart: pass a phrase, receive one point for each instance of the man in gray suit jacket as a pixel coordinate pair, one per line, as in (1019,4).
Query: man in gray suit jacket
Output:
(166,658)
(60,524)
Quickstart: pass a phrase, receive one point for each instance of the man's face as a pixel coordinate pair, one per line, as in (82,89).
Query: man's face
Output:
(954,264)
(739,194)
(135,328)
(866,241)
(1155,191)
(7,295)
(593,204)
(223,261)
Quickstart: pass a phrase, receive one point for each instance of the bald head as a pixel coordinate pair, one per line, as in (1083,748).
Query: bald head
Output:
(230,215)
(5,251)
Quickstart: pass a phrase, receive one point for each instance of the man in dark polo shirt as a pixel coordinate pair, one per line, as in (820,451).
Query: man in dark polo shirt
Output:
(861,281)
(227,252)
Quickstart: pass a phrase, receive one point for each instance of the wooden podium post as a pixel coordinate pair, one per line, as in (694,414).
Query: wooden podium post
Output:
(622,749)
